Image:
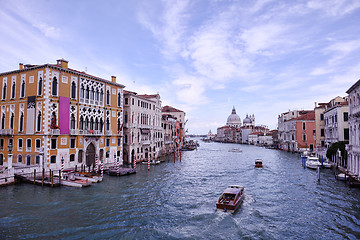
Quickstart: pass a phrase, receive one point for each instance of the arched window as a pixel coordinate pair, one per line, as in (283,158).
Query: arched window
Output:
(82,91)
(72,121)
(101,125)
(3,121)
(119,99)
(108,97)
(4,92)
(19,158)
(38,123)
(96,124)
(97,95)
(40,86)
(87,92)
(126,139)
(13,88)
(107,124)
(1,159)
(118,125)
(54,87)
(12,121)
(92,93)
(86,123)
(91,124)
(73,90)
(22,90)
(21,122)
(101,96)
(81,123)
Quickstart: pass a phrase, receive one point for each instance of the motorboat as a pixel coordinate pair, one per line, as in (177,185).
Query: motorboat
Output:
(230,199)
(258,163)
(326,165)
(342,177)
(68,178)
(312,162)
(235,150)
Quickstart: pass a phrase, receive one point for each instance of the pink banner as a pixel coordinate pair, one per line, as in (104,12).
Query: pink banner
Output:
(64,115)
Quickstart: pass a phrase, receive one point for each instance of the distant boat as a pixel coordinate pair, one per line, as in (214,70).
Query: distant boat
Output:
(230,199)
(258,163)
(235,150)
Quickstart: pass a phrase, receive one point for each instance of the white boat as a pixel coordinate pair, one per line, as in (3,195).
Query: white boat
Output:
(69,179)
(327,165)
(312,163)
(342,177)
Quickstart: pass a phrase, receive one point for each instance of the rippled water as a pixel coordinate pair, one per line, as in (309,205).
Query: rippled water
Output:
(177,201)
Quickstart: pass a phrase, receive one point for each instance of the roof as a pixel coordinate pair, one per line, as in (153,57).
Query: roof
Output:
(352,88)
(170,109)
(29,67)
(149,96)
(306,117)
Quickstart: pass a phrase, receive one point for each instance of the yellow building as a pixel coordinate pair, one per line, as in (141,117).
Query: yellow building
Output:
(53,117)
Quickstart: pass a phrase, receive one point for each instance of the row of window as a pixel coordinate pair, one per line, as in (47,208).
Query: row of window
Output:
(140,103)
(87,93)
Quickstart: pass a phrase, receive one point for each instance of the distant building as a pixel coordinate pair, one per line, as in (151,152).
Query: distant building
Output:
(233,120)
(180,118)
(336,118)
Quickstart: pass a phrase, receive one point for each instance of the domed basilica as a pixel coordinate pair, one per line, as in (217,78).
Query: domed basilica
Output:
(234,120)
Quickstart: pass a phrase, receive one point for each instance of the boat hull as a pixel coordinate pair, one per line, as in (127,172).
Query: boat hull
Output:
(229,207)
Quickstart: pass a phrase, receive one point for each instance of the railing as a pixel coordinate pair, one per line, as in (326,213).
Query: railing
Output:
(87,132)
(108,132)
(74,132)
(355,110)
(55,131)
(6,131)
(145,142)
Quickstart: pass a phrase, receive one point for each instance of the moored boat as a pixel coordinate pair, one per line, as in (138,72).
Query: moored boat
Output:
(230,199)
(312,163)
(342,177)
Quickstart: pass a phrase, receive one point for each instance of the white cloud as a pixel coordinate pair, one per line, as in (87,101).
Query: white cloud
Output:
(334,7)
(48,31)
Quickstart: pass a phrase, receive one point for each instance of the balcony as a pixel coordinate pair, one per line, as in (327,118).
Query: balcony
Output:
(87,132)
(74,132)
(55,131)
(108,132)
(355,111)
(145,142)
(6,131)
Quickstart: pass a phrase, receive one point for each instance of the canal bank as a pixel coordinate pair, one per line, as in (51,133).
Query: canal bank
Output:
(176,200)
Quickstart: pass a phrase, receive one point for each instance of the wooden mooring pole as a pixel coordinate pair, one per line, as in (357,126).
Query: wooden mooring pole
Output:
(60,177)
(43,175)
(34,175)
(52,178)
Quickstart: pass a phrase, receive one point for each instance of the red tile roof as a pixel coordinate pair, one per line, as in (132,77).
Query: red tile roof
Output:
(170,109)
(306,117)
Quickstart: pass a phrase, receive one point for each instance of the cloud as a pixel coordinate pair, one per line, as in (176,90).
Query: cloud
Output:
(48,31)
(335,7)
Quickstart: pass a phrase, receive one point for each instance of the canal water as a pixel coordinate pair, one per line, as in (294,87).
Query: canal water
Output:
(176,200)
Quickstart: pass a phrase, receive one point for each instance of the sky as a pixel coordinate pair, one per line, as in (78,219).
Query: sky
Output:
(203,56)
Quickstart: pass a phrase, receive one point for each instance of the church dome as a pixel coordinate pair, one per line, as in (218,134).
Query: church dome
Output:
(233,119)
(247,120)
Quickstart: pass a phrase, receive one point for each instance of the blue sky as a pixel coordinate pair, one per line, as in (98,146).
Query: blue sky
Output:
(204,57)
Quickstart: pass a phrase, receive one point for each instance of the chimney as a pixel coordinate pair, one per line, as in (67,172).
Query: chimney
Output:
(62,62)
(21,66)
(113,79)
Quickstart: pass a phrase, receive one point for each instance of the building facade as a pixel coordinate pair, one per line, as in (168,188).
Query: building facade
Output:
(142,127)
(353,163)
(55,117)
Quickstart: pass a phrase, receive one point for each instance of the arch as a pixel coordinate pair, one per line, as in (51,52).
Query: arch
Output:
(40,87)
(125,156)
(133,156)
(4,91)
(73,90)
(90,155)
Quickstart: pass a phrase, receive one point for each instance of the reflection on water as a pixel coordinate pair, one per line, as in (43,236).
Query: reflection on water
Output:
(177,201)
